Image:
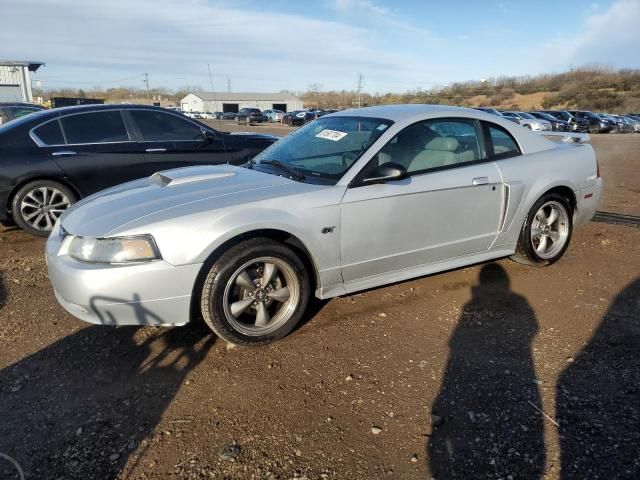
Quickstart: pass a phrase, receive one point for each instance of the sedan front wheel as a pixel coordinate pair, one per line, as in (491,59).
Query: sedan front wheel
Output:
(255,293)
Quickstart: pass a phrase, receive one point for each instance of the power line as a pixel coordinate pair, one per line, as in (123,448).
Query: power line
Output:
(146,82)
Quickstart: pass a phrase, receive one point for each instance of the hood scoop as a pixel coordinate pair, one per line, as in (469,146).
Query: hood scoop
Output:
(181,176)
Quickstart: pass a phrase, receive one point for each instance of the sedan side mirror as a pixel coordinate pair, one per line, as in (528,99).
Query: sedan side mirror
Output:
(208,135)
(386,172)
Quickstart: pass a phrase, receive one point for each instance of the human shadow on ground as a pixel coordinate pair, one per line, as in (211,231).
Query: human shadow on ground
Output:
(484,421)
(3,292)
(598,398)
(81,407)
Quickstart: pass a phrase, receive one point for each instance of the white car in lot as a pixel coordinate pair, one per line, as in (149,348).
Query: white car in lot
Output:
(529,121)
(352,201)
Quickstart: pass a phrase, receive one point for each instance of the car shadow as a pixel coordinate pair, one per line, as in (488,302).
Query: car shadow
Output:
(484,419)
(82,406)
(598,397)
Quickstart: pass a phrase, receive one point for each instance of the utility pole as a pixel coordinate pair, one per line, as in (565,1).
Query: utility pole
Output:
(146,82)
(360,85)
(229,84)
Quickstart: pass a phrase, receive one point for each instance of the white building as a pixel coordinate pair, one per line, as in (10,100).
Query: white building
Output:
(15,80)
(232,102)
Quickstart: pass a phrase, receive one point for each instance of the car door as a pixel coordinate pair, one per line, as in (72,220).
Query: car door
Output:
(172,141)
(98,152)
(449,206)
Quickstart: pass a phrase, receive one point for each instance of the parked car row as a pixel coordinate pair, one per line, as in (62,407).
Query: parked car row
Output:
(570,120)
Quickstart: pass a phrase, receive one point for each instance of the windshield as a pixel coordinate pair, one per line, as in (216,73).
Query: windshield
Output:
(526,115)
(323,150)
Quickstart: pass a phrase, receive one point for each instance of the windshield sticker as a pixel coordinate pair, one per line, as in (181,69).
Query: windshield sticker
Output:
(382,127)
(332,135)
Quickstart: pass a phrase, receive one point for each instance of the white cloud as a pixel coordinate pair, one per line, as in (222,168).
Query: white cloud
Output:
(175,39)
(608,36)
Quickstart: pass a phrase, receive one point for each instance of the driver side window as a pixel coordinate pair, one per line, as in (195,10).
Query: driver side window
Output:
(433,144)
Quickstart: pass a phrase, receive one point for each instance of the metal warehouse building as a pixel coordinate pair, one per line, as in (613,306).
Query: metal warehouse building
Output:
(15,80)
(232,102)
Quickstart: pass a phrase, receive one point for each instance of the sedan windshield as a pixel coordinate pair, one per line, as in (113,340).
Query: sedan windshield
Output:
(528,116)
(323,150)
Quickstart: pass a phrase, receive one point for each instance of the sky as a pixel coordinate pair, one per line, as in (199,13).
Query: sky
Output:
(274,45)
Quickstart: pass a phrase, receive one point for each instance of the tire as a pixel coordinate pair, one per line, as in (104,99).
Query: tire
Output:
(594,129)
(233,300)
(528,250)
(248,121)
(237,121)
(33,205)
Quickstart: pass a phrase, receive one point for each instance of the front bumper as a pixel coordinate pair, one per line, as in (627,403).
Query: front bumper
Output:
(150,293)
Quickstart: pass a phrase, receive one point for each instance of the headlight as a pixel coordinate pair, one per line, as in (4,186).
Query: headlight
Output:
(114,250)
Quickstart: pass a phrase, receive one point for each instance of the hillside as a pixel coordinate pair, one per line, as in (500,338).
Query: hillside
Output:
(596,88)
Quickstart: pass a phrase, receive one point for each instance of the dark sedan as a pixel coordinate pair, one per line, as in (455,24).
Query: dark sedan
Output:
(12,110)
(596,124)
(576,124)
(298,117)
(250,115)
(556,124)
(52,158)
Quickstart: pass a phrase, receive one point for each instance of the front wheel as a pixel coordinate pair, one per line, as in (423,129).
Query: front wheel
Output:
(546,231)
(255,293)
(37,206)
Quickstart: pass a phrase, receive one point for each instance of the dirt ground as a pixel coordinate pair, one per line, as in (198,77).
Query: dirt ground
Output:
(492,371)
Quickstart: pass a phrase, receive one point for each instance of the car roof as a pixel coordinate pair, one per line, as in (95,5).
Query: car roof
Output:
(20,104)
(110,106)
(400,112)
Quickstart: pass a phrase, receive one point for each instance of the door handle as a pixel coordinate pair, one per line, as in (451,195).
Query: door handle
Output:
(480,181)
(64,153)
(155,150)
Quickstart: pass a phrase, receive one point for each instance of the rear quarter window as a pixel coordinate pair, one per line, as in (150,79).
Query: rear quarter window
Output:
(50,133)
(501,142)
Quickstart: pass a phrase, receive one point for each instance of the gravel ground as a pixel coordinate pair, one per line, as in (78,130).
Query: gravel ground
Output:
(491,371)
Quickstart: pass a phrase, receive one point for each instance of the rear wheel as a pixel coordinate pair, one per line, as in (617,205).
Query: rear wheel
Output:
(37,206)
(546,231)
(248,121)
(255,293)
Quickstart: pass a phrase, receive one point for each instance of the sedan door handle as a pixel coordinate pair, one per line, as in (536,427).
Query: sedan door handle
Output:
(64,153)
(480,181)
(155,150)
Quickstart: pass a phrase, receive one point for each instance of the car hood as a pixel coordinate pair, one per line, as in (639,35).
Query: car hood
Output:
(174,192)
(261,136)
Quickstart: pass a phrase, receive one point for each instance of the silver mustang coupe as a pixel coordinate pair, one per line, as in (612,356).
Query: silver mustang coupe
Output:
(351,201)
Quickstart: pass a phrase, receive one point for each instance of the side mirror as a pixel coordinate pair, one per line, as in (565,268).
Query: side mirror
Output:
(387,172)
(208,135)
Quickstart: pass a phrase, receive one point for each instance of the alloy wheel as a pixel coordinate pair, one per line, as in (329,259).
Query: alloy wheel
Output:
(42,206)
(261,296)
(549,229)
